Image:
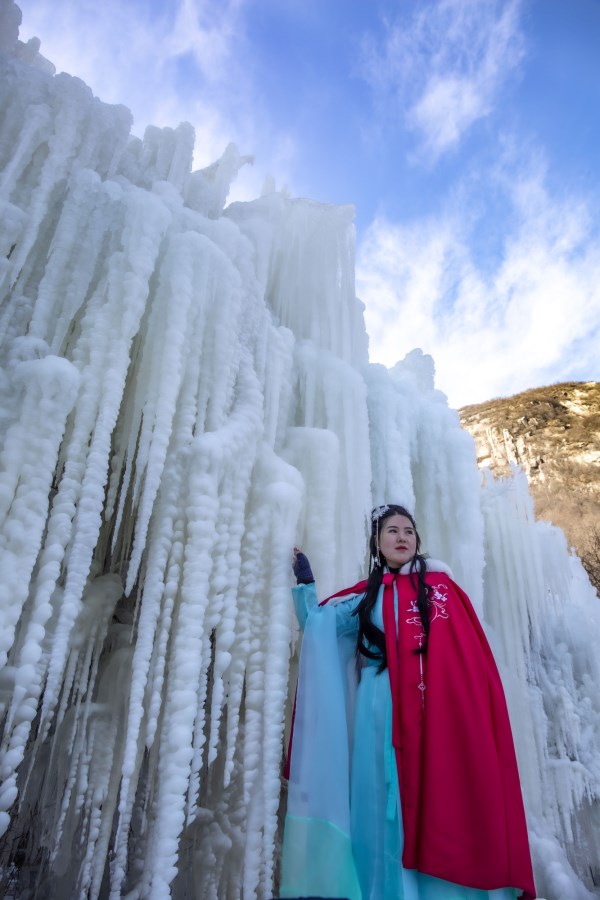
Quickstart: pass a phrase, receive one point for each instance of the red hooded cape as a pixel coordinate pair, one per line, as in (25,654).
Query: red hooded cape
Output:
(462,808)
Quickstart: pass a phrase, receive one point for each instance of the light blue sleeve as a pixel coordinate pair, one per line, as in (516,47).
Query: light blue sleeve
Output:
(345,620)
(306,602)
(317,858)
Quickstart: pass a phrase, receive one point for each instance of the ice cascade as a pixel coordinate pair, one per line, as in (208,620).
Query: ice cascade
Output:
(186,394)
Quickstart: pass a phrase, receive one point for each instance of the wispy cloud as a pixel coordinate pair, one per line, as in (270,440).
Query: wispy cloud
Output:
(531,316)
(443,70)
(186,61)
(211,32)
(130,53)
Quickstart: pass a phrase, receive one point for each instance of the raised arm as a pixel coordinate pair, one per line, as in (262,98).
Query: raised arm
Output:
(305,593)
(305,597)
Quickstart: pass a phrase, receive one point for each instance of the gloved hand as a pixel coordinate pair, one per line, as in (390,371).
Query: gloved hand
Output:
(302,569)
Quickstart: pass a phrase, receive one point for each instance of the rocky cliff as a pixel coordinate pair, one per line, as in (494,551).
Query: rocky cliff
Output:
(553,433)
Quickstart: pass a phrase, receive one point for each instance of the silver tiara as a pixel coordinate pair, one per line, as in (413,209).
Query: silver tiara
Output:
(378,512)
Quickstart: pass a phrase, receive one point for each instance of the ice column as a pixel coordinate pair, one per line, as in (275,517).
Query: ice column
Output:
(181,383)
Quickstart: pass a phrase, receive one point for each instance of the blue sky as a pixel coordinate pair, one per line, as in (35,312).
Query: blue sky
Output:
(464,132)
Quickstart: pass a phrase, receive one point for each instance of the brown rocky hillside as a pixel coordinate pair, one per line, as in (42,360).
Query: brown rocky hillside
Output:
(553,433)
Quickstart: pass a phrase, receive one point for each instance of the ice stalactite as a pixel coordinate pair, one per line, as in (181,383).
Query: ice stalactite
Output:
(156,367)
(544,620)
(186,395)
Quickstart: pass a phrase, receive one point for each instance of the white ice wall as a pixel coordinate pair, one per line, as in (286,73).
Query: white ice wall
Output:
(543,617)
(186,394)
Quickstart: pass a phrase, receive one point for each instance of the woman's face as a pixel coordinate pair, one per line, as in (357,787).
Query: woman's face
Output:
(397,541)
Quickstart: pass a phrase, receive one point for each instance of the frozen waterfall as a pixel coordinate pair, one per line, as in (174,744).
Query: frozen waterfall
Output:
(186,393)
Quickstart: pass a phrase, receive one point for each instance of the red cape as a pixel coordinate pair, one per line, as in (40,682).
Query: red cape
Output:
(462,808)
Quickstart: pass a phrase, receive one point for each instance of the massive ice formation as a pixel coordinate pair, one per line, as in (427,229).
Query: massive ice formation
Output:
(186,394)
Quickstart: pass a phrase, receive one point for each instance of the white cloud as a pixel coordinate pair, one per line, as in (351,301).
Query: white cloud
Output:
(185,61)
(443,70)
(532,317)
(211,32)
(128,54)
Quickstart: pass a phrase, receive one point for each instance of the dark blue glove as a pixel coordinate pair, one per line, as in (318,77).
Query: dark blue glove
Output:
(302,569)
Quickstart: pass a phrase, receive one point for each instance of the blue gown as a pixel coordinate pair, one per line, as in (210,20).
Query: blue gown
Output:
(369,865)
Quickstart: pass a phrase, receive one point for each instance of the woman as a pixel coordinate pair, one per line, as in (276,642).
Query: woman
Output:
(403,778)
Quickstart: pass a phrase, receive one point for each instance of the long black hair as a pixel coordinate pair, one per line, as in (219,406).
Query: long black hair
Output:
(371,640)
